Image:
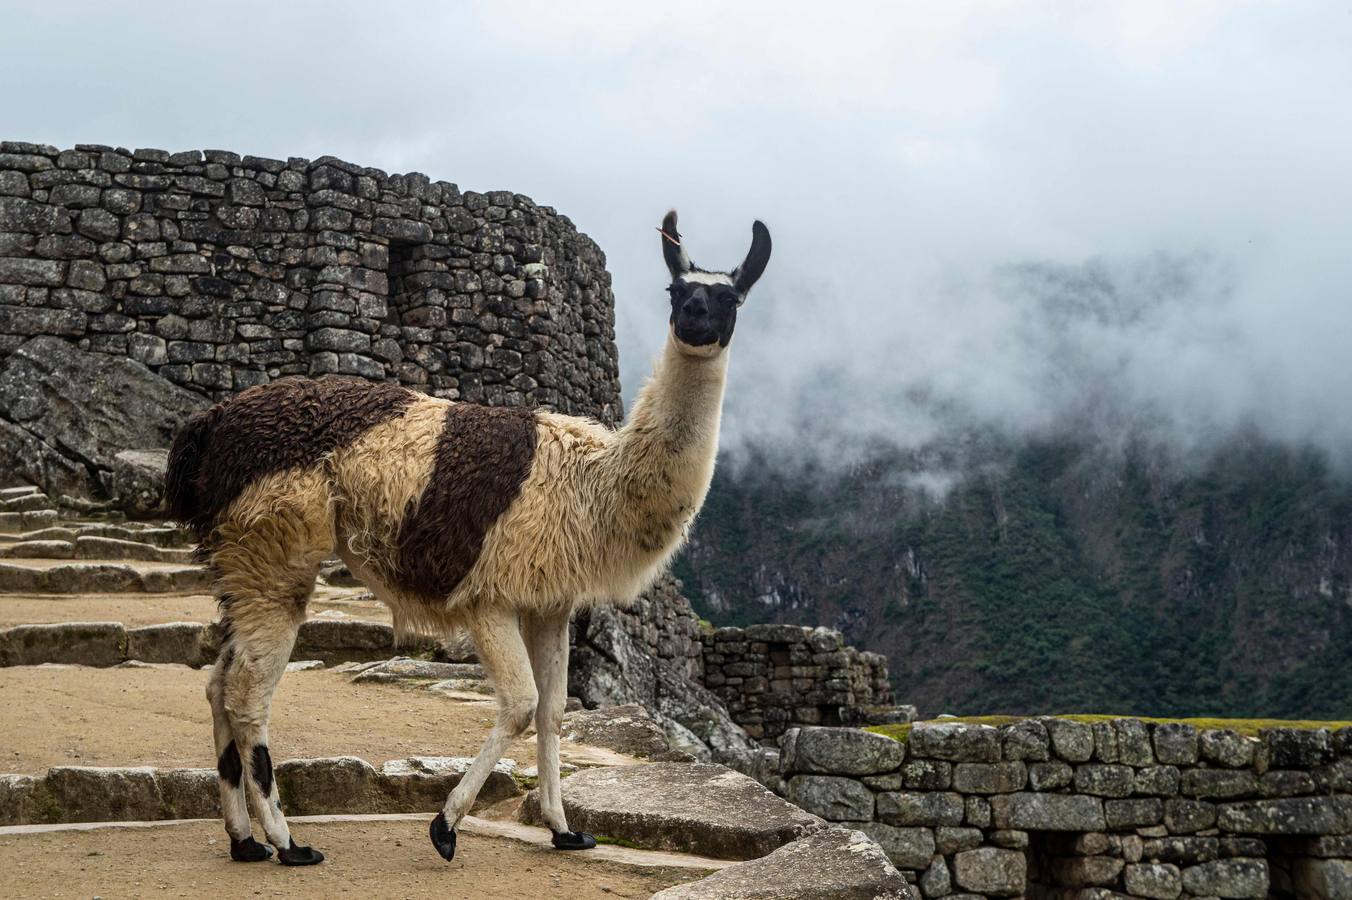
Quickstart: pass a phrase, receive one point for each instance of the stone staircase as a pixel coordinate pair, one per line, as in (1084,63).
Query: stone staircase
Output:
(86,600)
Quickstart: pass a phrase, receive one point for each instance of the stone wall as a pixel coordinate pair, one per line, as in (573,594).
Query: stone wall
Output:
(220,271)
(771,677)
(1051,808)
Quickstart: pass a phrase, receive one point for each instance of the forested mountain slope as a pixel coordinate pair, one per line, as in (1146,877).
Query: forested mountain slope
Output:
(1053,578)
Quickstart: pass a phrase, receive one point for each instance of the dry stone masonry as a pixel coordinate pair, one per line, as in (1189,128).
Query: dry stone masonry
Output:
(219,271)
(773,676)
(1054,808)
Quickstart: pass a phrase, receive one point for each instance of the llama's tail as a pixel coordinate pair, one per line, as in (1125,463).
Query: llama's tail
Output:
(181,492)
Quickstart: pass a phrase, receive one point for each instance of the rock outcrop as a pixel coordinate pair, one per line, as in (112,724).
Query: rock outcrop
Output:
(65,414)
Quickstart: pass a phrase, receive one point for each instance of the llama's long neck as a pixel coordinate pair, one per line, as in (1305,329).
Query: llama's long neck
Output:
(664,455)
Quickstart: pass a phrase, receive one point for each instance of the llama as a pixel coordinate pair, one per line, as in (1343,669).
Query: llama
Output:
(499,520)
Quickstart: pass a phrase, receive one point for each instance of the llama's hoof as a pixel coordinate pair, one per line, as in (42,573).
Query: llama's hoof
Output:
(249,850)
(296,855)
(443,838)
(573,840)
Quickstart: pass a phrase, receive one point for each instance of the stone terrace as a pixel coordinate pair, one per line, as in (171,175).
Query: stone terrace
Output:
(1054,808)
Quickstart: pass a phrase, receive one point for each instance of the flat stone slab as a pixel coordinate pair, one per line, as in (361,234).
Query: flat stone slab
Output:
(91,643)
(691,807)
(624,729)
(833,864)
(402,668)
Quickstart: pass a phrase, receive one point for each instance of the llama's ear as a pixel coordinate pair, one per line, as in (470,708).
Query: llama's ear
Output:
(673,251)
(751,269)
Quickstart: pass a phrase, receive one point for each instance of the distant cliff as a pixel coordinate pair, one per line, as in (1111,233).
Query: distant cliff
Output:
(1053,580)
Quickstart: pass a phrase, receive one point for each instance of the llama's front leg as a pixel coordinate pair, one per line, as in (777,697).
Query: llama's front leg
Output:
(497,638)
(547,641)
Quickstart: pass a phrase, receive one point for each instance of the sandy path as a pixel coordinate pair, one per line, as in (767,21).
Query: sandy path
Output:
(134,610)
(364,859)
(73,715)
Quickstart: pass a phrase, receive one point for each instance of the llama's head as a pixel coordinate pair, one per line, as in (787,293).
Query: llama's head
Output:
(703,303)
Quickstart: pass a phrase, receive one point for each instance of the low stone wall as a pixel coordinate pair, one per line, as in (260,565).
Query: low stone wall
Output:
(1050,808)
(772,677)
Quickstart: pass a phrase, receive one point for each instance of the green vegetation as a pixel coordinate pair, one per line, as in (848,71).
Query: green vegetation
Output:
(1053,577)
(1246,727)
(618,842)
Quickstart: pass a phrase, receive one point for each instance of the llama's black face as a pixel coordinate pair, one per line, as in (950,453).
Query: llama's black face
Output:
(704,308)
(704,304)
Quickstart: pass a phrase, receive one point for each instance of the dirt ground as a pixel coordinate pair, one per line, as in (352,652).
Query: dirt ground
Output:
(363,859)
(134,610)
(73,715)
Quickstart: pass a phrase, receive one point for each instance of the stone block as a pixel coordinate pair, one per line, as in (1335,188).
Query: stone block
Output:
(1105,780)
(1292,815)
(1133,743)
(1223,784)
(1297,748)
(991,871)
(1159,881)
(907,848)
(1027,740)
(1071,741)
(690,807)
(1157,781)
(955,741)
(1188,816)
(834,798)
(933,808)
(927,775)
(949,840)
(1237,878)
(1048,812)
(171,642)
(90,794)
(832,864)
(990,778)
(79,643)
(1050,776)
(1176,744)
(1139,812)
(845,751)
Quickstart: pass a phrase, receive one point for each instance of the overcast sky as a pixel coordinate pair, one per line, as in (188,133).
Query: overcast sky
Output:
(1011,214)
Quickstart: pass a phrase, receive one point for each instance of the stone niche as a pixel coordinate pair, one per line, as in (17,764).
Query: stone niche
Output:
(220,271)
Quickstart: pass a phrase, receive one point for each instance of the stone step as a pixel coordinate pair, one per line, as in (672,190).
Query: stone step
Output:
(25,503)
(22,490)
(692,807)
(103,644)
(342,784)
(16,522)
(84,547)
(46,576)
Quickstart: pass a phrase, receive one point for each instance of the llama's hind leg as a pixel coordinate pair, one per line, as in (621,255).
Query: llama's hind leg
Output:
(547,642)
(498,640)
(229,770)
(270,545)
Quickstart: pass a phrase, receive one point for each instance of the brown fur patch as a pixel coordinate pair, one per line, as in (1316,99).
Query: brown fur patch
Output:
(483,455)
(289,423)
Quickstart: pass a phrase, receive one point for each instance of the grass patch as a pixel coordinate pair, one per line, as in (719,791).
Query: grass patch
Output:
(1246,727)
(618,842)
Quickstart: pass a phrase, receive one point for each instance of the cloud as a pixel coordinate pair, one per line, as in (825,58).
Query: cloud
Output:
(951,187)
